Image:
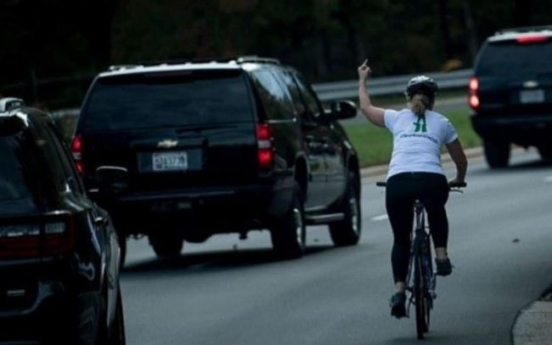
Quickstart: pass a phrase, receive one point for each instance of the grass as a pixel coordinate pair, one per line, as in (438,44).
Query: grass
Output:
(374,144)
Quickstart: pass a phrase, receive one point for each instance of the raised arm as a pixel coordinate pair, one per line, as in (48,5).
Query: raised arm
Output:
(459,158)
(374,114)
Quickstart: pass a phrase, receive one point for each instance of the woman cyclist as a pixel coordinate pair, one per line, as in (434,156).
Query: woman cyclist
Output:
(415,171)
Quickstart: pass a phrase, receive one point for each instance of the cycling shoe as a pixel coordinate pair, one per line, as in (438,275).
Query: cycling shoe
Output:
(444,267)
(398,308)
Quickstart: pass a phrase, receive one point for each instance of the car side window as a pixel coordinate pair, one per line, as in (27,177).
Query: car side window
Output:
(17,180)
(294,93)
(308,95)
(274,98)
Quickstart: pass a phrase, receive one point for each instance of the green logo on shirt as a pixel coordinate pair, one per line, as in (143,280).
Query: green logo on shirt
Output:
(420,124)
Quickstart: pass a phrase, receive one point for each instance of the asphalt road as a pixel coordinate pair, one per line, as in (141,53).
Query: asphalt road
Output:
(228,291)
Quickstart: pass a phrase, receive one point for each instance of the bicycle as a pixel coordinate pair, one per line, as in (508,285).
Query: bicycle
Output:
(421,279)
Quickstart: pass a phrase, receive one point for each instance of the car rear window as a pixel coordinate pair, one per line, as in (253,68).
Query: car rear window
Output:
(18,186)
(178,98)
(505,58)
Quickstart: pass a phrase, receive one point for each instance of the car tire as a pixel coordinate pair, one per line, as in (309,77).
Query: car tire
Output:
(288,234)
(497,153)
(167,245)
(347,231)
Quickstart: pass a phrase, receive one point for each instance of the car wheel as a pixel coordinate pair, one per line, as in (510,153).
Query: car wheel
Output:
(497,153)
(288,234)
(347,231)
(167,245)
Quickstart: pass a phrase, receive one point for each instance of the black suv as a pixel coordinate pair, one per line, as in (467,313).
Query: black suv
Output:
(59,252)
(192,149)
(511,93)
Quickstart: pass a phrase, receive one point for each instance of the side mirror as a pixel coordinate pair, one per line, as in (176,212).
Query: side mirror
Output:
(111,179)
(341,110)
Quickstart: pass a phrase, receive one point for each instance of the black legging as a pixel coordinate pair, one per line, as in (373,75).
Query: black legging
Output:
(433,190)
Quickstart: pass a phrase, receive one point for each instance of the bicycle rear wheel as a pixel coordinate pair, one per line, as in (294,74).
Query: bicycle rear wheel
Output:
(420,299)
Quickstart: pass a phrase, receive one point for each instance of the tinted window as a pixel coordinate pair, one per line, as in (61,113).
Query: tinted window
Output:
(275,100)
(19,188)
(168,99)
(308,95)
(294,91)
(505,58)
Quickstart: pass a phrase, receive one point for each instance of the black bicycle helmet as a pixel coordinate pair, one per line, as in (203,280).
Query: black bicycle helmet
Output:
(422,84)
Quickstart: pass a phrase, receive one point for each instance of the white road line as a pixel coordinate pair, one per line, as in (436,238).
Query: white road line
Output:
(548,179)
(380,217)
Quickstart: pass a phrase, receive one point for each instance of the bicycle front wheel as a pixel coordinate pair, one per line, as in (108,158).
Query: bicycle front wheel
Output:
(420,299)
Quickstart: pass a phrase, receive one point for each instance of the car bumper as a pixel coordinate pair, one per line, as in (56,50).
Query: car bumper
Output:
(37,301)
(522,130)
(214,209)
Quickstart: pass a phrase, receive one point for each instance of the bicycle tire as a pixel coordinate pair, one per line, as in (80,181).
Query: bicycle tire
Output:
(428,284)
(420,301)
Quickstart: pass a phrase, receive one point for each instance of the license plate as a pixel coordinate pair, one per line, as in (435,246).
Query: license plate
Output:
(170,161)
(531,96)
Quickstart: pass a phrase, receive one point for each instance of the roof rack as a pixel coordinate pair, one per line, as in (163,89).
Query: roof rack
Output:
(10,103)
(255,58)
(239,59)
(120,67)
(168,62)
(524,29)
(12,121)
(184,61)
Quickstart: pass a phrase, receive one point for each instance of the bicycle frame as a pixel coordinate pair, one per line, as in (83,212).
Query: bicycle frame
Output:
(421,245)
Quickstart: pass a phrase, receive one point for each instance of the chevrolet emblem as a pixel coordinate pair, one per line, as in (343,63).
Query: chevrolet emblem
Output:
(530,84)
(167,143)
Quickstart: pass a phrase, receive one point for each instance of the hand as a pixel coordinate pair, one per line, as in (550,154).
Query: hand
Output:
(364,71)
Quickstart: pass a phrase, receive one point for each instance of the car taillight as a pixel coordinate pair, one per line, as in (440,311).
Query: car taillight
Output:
(473,88)
(76,150)
(531,39)
(265,151)
(53,236)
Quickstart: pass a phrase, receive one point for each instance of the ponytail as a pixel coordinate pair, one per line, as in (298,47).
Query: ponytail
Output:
(419,104)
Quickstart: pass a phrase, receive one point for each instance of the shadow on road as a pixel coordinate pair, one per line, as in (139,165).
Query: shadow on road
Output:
(538,164)
(215,260)
(528,165)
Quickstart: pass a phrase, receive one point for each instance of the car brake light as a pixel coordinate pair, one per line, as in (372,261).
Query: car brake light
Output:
(53,236)
(473,88)
(531,39)
(265,153)
(76,150)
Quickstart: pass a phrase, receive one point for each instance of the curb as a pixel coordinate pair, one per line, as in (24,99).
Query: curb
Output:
(532,325)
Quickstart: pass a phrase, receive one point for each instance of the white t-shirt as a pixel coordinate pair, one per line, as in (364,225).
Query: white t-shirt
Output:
(417,144)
